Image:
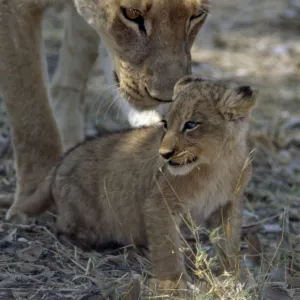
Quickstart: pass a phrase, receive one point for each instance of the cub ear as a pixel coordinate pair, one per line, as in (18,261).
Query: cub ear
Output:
(183,83)
(238,104)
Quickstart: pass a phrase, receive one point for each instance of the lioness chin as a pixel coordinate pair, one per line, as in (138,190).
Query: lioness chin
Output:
(131,187)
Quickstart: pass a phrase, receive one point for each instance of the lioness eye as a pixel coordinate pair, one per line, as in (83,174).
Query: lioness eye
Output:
(131,13)
(135,16)
(165,124)
(190,125)
(200,15)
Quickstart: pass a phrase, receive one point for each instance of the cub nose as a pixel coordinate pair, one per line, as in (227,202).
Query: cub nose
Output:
(166,153)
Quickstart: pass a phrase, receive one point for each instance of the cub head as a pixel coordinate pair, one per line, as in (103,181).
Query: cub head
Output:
(206,119)
(150,42)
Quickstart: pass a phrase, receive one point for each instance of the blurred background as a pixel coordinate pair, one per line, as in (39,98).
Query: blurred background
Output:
(254,42)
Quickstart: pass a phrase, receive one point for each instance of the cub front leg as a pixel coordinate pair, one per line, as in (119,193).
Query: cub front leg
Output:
(231,219)
(227,238)
(164,245)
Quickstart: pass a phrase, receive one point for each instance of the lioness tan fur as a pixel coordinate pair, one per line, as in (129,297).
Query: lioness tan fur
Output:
(132,187)
(149,41)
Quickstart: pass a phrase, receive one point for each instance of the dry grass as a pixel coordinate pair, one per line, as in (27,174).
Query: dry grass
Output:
(35,265)
(245,41)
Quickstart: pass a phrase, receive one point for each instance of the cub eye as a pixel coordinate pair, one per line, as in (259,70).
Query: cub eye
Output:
(190,125)
(165,124)
(134,15)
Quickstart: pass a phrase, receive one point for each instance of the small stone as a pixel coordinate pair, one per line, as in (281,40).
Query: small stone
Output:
(290,13)
(23,240)
(271,228)
(284,157)
(280,50)
(294,215)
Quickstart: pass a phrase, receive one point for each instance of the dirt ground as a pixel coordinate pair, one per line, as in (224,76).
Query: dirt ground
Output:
(249,41)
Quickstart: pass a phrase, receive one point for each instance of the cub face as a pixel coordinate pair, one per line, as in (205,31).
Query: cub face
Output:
(150,42)
(205,118)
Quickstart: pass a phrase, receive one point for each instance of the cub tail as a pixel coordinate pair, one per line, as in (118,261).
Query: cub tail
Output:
(34,204)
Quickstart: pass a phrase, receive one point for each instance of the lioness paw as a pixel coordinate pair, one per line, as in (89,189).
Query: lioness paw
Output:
(14,214)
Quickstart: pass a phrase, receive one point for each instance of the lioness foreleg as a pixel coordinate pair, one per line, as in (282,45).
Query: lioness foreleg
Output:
(77,56)
(35,137)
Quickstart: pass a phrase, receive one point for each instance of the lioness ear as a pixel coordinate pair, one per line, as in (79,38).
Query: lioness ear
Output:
(87,10)
(238,104)
(183,83)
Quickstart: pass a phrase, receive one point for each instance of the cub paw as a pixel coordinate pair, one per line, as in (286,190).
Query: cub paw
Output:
(168,287)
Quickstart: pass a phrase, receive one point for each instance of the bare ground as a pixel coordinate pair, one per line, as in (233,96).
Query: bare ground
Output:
(251,41)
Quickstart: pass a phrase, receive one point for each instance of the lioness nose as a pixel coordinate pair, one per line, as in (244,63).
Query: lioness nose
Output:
(160,95)
(166,153)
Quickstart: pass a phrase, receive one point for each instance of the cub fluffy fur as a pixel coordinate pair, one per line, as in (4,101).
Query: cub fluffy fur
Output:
(132,187)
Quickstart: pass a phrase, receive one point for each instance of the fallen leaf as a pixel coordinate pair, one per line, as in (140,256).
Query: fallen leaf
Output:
(30,254)
(10,237)
(275,293)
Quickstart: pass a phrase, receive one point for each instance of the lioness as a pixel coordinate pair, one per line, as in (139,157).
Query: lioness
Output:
(150,43)
(132,187)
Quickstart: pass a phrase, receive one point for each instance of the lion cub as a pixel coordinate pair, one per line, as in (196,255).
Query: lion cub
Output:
(132,187)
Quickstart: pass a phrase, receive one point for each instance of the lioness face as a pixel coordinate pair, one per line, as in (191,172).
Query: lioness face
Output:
(150,41)
(205,117)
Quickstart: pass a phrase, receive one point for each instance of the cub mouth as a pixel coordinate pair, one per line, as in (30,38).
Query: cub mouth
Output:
(176,164)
